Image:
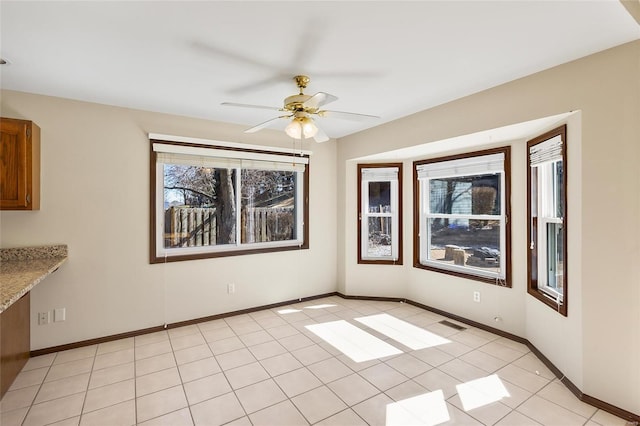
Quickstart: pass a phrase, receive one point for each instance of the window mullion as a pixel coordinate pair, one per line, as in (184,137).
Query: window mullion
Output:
(464,216)
(238,197)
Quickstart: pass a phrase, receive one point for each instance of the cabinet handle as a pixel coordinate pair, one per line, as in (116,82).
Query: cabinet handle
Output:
(28,198)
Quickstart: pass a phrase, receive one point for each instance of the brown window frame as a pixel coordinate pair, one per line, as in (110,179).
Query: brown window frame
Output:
(154,258)
(399,214)
(532,243)
(506,151)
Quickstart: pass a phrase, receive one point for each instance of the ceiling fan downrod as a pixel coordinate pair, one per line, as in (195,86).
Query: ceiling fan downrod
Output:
(302,81)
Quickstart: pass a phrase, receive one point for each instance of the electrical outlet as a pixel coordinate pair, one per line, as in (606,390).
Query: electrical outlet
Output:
(231,288)
(43,318)
(476,296)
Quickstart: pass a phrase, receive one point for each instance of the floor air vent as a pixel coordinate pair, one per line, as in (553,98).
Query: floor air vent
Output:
(452,325)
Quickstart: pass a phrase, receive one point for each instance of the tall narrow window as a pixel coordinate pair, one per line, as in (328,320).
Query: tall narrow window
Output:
(547,226)
(461,215)
(379,216)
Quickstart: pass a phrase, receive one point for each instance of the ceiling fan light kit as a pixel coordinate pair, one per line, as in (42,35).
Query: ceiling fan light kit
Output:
(301,127)
(299,108)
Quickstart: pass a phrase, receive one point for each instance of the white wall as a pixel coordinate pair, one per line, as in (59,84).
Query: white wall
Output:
(598,345)
(567,331)
(95,198)
(455,295)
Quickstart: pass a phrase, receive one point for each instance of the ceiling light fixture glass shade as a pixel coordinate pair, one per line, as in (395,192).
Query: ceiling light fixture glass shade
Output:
(301,127)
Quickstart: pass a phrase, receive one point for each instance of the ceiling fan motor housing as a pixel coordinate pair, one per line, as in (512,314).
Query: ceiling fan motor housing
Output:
(296,103)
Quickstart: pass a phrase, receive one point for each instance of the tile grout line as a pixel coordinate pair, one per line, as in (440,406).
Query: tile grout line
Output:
(86,393)
(135,384)
(184,392)
(26,415)
(223,370)
(298,326)
(272,378)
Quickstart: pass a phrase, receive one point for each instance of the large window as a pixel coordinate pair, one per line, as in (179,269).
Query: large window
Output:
(380,214)
(547,227)
(461,215)
(210,201)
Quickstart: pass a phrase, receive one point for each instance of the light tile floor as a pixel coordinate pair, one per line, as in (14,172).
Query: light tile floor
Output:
(266,368)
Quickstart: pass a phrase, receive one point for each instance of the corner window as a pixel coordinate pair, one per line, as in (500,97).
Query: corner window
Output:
(547,227)
(380,214)
(212,201)
(461,215)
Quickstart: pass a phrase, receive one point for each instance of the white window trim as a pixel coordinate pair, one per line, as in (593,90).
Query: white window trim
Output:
(543,152)
(470,166)
(386,174)
(546,215)
(173,139)
(168,153)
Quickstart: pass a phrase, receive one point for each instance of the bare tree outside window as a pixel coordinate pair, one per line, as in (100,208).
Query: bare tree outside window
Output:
(200,205)
(214,201)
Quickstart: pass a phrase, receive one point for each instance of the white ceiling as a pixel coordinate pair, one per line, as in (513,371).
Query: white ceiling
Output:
(389,59)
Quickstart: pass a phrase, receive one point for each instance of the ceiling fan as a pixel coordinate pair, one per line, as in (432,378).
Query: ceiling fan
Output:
(300,109)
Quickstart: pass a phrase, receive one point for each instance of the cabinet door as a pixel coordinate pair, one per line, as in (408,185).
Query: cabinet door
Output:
(16,165)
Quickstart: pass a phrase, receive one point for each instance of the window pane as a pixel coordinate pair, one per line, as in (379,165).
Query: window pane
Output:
(268,205)
(555,255)
(465,195)
(380,233)
(465,242)
(558,173)
(379,197)
(199,205)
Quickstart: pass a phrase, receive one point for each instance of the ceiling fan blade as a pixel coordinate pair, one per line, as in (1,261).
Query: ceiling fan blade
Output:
(277,77)
(233,104)
(232,55)
(321,136)
(346,115)
(264,124)
(318,100)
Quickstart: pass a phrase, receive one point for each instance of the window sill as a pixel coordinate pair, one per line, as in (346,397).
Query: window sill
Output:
(502,282)
(561,308)
(225,253)
(379,262)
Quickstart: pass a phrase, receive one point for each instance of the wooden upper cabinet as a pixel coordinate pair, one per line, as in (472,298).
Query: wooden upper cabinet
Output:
(19,165)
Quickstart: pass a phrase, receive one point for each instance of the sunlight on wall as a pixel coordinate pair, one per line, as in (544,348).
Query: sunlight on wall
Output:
(427,409)
(357,344)
(408,334)
(479,392)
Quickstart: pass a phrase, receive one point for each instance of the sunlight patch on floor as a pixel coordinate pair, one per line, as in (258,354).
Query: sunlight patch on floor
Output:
(355,343)
(325,305)
(288,311)
(401,331)
(479,392)
(428,409)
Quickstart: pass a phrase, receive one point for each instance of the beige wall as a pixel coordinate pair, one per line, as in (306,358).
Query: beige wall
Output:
(95,198)
(598,345)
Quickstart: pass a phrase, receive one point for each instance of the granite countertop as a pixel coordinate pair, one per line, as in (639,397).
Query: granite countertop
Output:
(22,268)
